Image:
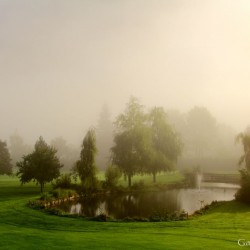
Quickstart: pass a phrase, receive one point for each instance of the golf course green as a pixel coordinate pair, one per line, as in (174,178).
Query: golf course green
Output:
(24,228)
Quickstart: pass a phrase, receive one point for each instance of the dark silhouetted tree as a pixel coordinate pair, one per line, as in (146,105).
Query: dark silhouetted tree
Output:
(5,161)
(42,165)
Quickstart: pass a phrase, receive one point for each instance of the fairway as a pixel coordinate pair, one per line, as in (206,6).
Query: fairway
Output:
(24,228)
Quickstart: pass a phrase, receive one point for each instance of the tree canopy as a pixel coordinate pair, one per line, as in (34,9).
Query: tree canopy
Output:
(5,160)
(42,165)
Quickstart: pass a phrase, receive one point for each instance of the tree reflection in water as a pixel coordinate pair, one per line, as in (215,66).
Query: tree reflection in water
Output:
(145,204)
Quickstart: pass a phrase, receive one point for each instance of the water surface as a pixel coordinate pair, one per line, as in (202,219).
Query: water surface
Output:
(145,204)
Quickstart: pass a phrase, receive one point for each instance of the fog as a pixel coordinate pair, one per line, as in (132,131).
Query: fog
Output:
(61,61)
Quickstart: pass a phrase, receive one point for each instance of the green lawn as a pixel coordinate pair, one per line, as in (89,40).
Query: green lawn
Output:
(24,228)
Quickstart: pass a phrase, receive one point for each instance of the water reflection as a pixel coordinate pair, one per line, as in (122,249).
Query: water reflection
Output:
(145,204)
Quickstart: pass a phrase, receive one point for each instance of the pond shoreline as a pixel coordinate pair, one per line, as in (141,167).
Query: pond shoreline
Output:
(96,206)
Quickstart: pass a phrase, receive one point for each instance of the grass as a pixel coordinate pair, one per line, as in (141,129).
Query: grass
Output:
(163,178)
(24,228)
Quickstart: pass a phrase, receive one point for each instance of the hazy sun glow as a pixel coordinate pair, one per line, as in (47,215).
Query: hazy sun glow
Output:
(61,60)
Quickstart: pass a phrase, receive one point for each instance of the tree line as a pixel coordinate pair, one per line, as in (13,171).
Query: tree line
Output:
(144,141)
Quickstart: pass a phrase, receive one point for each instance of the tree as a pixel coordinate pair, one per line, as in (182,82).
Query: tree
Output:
(18,148)
(243,193)
(104,138)
(5,160)
(129,152)
(66,153)
(85,167)
(42,165)
(166,144)
(244,138)
(202,131)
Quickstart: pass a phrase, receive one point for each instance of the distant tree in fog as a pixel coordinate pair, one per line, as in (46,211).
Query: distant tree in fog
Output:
(206,142)
(42,165)
(202,131)
(18,148)
(67,154)
(5,160)
(104,138)
(85,167)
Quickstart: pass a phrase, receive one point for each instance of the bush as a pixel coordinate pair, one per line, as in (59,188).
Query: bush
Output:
(191,175)
(243,193)
(63,181)
(112,175)
(138,185)
(60,193)
(45,196)
(164,215)
(100,217)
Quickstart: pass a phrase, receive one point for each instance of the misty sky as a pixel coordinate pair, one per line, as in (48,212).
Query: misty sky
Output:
(61,60)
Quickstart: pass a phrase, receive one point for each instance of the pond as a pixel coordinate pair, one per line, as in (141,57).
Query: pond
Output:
(145,204)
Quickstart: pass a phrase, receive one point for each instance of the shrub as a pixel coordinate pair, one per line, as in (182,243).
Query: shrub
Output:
(191,175)
(63,181)
(45,196)
(100,217)
(112,175)
(164,215)
(138,185)
(60,193)
(243,193)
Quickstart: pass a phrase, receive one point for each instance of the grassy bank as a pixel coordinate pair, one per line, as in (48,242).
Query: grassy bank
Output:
(24,228)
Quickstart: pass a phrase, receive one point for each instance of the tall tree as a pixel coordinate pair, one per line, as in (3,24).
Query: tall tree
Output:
(166,144)
(104,138)
(129,152)
(85,167)
(5,160)
(42,165)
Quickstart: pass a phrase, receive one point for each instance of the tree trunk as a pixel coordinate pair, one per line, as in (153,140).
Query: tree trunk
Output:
(41,186)
(154,177)
(129,181)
